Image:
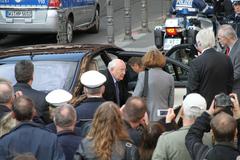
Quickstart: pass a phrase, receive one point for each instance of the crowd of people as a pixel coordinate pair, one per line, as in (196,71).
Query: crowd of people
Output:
(113,124)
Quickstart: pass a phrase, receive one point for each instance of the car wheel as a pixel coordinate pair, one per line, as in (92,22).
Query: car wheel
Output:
(96,23)
(69,31)
(158,38)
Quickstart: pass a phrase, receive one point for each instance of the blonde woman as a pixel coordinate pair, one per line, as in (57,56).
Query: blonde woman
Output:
(107,138)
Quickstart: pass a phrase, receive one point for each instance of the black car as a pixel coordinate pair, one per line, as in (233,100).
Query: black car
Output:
(60,66)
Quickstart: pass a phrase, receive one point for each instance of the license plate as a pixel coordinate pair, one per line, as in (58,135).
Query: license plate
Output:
(19,14)
(170,42)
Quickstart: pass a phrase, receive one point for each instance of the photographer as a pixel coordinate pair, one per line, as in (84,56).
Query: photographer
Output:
(226,119)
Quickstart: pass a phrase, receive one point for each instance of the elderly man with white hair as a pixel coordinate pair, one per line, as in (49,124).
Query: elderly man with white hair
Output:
(211,72)
(171,145)
(116,87)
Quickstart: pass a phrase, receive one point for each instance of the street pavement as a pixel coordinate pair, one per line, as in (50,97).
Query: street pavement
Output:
(142,41)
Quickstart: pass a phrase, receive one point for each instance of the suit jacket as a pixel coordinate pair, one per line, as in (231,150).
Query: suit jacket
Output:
(38,97)
(210,74)
(160,94)
(110,91)
(235,58)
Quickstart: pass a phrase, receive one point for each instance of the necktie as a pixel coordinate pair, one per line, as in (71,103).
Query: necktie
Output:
(227,51)
(117,93)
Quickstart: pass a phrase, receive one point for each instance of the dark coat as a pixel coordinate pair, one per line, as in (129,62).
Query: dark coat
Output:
(27,137)
(3,110)
(135,134)
(52,128)
(69,142)
(110,92)
(210,74)
(199,151)
(86,109)
(38,97)
(86,151)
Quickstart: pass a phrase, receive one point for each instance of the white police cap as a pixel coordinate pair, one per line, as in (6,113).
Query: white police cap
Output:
(92,79)
(58,97)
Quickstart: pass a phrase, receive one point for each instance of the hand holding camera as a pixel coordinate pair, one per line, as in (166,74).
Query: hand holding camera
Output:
(236,109)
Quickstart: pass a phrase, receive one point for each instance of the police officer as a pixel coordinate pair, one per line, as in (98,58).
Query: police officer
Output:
(192,5)
(235,17)
(93,82)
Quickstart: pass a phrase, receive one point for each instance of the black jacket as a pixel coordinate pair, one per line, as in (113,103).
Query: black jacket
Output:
(110,92)
(69,142)
(86,151)
(38,97)
(210,74)
(199,151)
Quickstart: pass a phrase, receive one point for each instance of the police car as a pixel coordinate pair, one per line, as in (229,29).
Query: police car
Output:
(61,66)
(41,16)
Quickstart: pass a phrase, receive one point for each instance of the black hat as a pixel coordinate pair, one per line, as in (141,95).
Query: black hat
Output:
(223,100)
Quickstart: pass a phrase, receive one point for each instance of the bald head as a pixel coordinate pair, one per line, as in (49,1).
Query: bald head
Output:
(224,127)
(65,116)
(117,68)
(6,92)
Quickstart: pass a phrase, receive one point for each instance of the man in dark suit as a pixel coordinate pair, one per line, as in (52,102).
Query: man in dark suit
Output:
(116,87)
(211,72)
(228,38)
(24,75)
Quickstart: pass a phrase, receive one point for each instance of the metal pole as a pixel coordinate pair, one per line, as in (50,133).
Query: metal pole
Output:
(144,16)
(62,30)
(127,17)
(110,28)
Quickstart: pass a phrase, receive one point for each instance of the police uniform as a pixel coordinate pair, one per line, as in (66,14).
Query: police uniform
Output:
(200,5)
(86,109)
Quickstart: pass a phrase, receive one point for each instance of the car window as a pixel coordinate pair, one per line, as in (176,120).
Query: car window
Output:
(182,55)
(99,63)
(48,75)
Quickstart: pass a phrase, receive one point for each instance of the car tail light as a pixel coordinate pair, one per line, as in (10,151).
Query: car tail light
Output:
(171,31)
(54,3)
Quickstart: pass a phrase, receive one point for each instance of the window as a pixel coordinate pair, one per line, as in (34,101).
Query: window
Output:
(48,75)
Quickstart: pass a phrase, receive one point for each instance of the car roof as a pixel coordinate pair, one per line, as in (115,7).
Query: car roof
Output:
(47,49)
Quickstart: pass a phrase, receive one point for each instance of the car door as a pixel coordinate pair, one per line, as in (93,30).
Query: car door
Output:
(79,12)
(90,6)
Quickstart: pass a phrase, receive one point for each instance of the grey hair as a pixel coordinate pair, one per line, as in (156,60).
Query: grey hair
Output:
(65,120)
(228,31)
(206,38)
(112,64)
(91,91)
(6,91)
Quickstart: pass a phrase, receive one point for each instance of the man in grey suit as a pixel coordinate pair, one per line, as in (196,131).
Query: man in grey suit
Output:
(228,38)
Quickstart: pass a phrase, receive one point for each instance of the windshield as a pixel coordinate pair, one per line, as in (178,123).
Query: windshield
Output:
(48,75)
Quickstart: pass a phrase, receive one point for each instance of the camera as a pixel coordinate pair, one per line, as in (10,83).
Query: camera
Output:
(224,102)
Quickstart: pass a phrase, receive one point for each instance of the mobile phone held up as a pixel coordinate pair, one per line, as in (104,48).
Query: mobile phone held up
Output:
(162,112)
